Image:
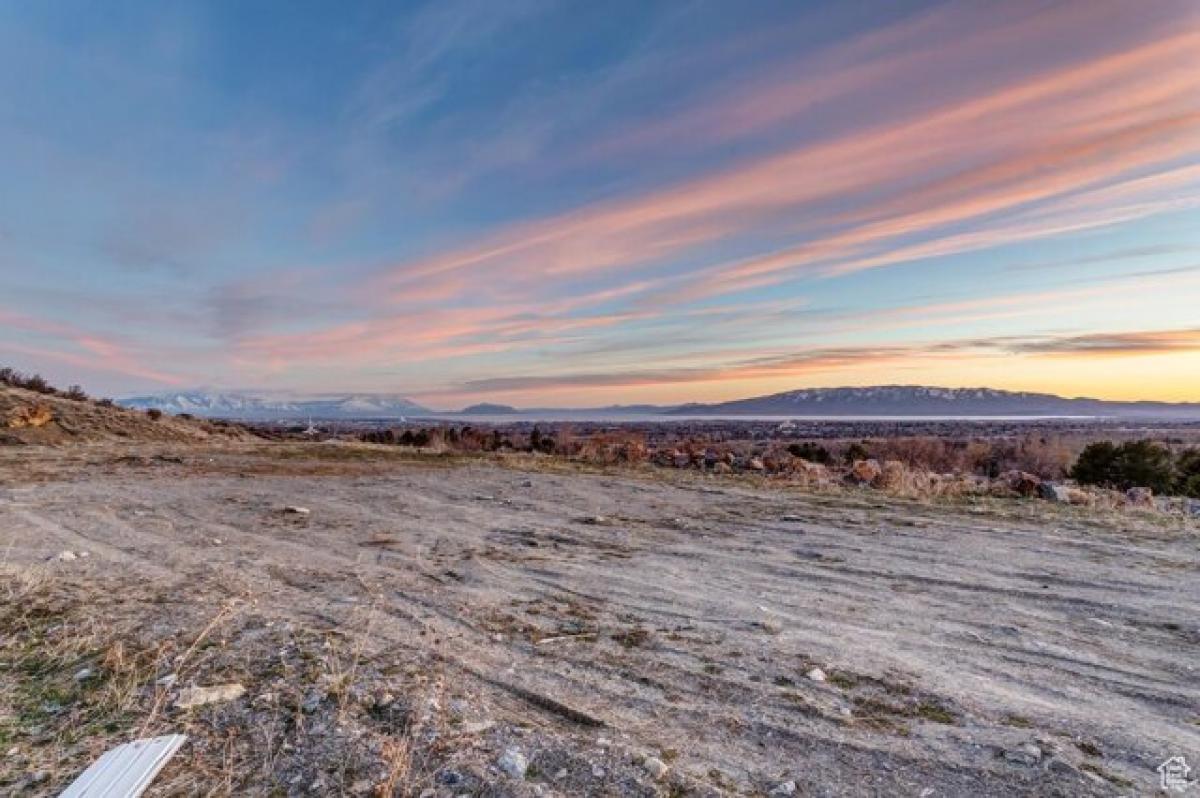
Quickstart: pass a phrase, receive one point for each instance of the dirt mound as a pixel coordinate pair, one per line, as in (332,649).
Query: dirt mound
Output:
(28,417)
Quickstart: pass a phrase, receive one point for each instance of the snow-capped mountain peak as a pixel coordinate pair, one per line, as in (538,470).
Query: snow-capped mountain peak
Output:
(265,406)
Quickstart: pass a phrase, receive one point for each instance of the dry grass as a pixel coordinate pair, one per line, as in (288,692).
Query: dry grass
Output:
(82,667)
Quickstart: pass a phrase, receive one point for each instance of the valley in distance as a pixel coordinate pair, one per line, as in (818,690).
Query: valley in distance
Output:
(884,400)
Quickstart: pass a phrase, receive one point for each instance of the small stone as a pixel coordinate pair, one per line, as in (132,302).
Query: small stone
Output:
(361,787)
(561,774)
(816,674)
(770,626)
(513,763)
(1025,754)
(597,772)
(1054,493)
(296,510)
(655,767)
(83,674)
(1140,497)
(786,788)
(451,778)
(190,697)
(1057,765)
(312,701)
(166,681)
(65,556)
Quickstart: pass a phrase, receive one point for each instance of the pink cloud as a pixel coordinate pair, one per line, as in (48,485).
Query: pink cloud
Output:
(91,351)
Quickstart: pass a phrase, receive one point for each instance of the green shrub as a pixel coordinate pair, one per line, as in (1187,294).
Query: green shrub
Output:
(856,451)
(1187,473)
(1132,464)
(812,452)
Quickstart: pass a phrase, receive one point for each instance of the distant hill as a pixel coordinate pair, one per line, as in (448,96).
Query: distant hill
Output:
(30,417)
(266,407)
(917,400)
(488,409)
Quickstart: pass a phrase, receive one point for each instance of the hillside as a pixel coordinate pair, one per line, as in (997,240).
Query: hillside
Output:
(915,400)
(268,407)
(488,409)
(29,417)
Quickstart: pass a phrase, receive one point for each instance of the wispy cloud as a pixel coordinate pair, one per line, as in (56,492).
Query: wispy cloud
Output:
(826,359)
(986,142)
(1145,342)
(82,349)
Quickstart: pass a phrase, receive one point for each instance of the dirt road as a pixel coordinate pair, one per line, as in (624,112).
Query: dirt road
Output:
(605,624)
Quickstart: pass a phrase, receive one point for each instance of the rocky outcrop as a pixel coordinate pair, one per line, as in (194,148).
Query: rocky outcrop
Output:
(1021,483)
(864,472)
(1140,497)
(32,416)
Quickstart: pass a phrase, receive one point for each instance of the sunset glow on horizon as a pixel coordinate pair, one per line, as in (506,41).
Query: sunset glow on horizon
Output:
(555,204)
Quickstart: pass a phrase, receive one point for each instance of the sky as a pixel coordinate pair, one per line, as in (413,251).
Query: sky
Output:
(557,202)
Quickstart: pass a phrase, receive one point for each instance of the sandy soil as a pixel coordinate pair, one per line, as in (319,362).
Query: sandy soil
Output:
(590,620)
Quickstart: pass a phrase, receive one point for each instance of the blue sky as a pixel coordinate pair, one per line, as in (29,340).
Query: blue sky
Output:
(573,203)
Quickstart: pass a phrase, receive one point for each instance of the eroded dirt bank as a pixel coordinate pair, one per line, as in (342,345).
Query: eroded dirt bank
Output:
(425,616)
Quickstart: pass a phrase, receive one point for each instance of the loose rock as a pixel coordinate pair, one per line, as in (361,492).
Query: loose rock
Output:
(864,472)
(1027,754)
(513,763)
(1054,493)
(1140,497)
(190,697)
(655,767)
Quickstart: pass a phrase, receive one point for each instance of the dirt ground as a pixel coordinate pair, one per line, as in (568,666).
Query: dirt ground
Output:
(624,632)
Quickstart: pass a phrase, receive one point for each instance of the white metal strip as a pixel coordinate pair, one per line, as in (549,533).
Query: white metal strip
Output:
(127,770)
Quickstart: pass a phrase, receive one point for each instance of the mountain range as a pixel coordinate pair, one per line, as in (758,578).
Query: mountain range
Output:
(265,407)
(880,400)
(918,400)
